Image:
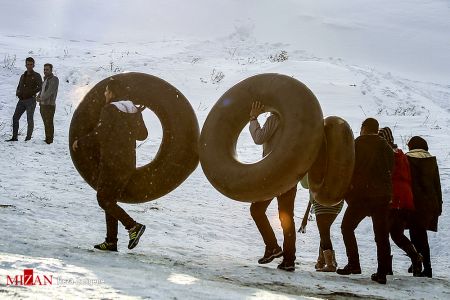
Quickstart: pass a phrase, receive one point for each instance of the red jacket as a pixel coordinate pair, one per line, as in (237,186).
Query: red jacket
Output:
(402,197)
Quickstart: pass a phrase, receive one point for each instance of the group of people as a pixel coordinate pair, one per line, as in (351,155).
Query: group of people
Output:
(30,91)
(397,190)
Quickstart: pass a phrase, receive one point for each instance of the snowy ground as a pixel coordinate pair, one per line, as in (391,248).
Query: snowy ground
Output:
(199,244)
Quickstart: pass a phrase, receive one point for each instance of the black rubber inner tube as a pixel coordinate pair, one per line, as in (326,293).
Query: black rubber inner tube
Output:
(177,156)
(299,137)
(331,173)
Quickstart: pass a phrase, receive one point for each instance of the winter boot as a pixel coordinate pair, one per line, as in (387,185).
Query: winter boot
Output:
(427,272)
(270,254)
(135,234)
(320,260)
(330,261)
(350,268)
(416,260)
(380,278)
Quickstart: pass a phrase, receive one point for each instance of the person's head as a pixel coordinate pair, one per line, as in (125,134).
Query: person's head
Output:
(48,69)
(369,126)
(416,142)
(114,90)
(29,64)
(386,133)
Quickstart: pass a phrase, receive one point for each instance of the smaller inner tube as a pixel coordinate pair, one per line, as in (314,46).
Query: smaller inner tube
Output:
(331,173)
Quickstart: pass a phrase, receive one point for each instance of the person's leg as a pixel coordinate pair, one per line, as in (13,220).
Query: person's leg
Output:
(352,217)
(324,222)
(286,214)
(419,238)
(108,203)
(381,230)
(49,128)
(258,213)
(111,228)
(45,114)
(20,109)
(30,107)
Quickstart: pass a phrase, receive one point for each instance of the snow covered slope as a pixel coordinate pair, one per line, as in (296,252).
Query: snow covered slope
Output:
(359,60)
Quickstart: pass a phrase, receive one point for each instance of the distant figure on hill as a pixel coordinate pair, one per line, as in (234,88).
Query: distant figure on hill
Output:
(29,85)
(47,101)
(266,136)
(120,125)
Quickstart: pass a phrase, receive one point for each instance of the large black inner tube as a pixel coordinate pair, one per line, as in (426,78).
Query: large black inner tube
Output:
(331,173)
(298,140)
(177,156)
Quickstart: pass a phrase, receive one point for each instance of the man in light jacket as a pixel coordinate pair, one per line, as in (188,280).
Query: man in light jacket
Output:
(47,101)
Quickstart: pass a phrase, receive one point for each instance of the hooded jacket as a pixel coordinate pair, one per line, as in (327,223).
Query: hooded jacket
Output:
(120,125)
(426,187)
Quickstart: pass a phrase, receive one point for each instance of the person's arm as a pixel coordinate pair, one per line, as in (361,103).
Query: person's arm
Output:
(19,88)
(38,84)
(93,137)
(437,183)
(141,129)
(262,135)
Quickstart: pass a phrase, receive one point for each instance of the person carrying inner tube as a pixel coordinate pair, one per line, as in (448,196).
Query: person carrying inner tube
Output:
(266,136)
(115,135)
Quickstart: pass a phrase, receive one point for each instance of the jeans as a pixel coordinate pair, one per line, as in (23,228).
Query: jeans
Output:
(28,105)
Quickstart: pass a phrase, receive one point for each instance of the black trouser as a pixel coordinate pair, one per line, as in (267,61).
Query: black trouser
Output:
(353,215)
(419,237)
(286,215)
(28,105)
(324,222)
(113,213)
(398,220)
(47,114)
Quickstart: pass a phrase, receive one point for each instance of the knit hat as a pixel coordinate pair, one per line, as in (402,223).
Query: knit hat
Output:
(416,142)
(386,133)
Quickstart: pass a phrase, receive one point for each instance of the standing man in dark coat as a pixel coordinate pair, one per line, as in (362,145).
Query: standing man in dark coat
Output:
(427,195)
(29,85)
(369,194)
(120,125)
(47,101)
(267,137)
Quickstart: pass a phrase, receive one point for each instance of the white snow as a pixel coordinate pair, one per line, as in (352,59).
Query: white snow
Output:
(386,59)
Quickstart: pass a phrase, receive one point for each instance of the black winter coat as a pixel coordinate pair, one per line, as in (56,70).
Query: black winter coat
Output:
(115,138)
(29,85)
(426,187)
(371,180)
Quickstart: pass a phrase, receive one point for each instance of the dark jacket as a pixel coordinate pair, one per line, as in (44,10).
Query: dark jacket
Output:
(426,187)
(115,137)
(29,85)
(372,175)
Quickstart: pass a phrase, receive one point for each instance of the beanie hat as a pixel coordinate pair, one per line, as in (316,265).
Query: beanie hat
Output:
(416,142)
(386,133)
